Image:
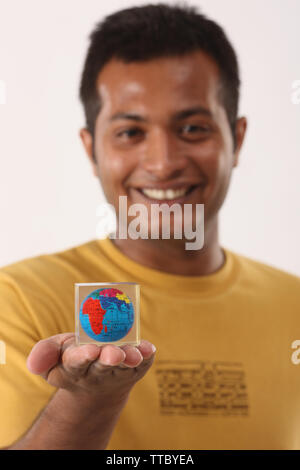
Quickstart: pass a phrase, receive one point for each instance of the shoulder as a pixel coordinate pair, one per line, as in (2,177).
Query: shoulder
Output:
(46,273)
(40,289)
(40,265)
(266,276)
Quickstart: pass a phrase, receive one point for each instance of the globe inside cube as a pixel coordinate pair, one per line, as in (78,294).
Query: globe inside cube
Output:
(107,313)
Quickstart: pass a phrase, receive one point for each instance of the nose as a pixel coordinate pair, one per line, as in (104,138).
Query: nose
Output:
(164,158)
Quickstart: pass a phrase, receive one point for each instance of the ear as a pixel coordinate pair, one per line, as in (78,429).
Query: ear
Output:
(87,141)
(240,131)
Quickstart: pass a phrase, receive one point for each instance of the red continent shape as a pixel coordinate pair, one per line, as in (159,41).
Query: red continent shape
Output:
(110,292)
(93,309)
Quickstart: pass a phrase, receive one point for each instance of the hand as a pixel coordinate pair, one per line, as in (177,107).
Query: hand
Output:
(105,371)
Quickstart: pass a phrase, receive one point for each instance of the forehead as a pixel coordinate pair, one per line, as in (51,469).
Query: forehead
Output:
(173,81)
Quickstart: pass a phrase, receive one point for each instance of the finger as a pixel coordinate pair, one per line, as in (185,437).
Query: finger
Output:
(77,359)
(46,353)
(146,348)
(110,356)
(133,356)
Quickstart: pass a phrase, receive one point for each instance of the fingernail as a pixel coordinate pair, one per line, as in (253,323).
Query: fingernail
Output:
(153,348)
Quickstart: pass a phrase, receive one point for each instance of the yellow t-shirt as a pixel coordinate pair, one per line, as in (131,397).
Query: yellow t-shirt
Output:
(223,377)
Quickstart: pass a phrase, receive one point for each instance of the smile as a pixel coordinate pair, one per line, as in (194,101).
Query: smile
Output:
(167,194)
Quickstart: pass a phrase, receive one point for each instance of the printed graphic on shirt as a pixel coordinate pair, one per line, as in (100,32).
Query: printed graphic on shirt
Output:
(106,315)
(202,388)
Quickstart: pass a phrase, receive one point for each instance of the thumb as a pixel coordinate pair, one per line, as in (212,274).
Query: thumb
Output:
(46,353)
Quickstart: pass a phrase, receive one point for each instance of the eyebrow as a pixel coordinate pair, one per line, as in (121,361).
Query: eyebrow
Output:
(191,112)
(185,113)
(132,117)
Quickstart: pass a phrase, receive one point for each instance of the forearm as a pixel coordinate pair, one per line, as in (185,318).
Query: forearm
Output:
(73,422)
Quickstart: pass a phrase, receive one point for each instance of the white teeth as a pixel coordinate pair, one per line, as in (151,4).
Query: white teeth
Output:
(161,194)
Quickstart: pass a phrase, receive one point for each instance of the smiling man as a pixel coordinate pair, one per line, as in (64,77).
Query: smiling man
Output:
(163,136)
(160,90)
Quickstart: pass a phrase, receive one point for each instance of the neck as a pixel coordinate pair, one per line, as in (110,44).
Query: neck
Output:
(172,257)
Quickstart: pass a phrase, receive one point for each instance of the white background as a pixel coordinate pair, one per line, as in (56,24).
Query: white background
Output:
(48,195)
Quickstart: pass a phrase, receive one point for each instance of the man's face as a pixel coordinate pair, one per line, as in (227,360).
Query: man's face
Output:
(162,135)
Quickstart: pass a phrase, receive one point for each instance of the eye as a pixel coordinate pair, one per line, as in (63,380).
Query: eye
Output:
(194,131)
(129,133)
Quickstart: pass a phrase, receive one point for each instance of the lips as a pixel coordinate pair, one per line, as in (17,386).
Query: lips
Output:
(169,196)
(162,194)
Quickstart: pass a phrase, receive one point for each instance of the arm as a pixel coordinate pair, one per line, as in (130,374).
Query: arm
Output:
(93,383)
(70,422)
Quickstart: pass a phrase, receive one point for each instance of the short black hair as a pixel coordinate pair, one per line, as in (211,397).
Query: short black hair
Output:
(151,31)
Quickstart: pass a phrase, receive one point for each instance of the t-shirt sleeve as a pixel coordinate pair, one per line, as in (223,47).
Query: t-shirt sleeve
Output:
(23,395)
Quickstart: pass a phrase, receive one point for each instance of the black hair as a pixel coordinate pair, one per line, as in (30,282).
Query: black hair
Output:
(151,31)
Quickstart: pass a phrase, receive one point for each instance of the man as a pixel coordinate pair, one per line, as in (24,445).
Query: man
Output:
(160,90)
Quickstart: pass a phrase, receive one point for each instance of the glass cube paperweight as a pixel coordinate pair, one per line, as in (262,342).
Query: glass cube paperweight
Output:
(107,313)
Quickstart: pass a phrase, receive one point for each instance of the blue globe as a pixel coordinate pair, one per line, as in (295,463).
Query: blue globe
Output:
(106,315)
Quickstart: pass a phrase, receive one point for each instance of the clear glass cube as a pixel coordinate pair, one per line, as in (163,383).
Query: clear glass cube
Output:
(107,313)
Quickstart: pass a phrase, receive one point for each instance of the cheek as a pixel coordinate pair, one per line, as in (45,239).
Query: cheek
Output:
(114,166)
(216,160)
(210,159)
